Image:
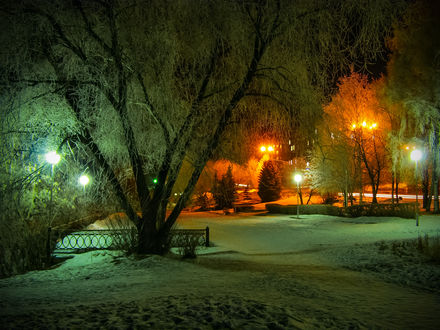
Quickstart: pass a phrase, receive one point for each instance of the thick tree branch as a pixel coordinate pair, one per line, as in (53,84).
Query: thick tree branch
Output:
(59,31)
(153,111)
(89,28)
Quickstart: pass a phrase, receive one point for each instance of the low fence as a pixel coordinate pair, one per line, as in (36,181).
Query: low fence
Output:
(178,236)
(112,239)
(402,210)
(84,240)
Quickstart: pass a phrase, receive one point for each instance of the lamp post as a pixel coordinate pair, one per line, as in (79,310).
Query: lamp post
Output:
(52,158)
(298,179)
(358,135)
(416,155)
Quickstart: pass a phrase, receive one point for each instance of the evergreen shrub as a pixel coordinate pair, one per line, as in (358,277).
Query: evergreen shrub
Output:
(269,182)
(224,191)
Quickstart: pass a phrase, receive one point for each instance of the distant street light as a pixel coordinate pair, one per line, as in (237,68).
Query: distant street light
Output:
(298,179)
(416,155)
(267,148)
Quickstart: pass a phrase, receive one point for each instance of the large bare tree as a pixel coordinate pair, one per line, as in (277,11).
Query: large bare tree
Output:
(413,84)
(147,85)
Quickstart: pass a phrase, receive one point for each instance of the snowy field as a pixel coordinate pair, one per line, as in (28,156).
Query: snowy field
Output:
(264,272)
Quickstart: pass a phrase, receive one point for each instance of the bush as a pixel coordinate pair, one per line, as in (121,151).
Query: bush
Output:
(269,182)
(125,237)
(224,191)
(203,201)
(22,246)
(330,199)
(430,247)
(187,243)
(304,209)
(402,210)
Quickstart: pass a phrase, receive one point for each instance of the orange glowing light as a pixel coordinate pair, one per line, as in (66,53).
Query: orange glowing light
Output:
(364,123)
(353,126)
(270,148)
(263,149)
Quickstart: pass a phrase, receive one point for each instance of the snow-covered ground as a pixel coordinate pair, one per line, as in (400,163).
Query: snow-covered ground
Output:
(264,272)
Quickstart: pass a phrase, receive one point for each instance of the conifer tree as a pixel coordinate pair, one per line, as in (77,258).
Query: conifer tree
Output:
(269,182)
(224,191)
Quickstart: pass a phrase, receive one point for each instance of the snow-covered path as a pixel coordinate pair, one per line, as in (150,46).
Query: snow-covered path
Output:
(265,272)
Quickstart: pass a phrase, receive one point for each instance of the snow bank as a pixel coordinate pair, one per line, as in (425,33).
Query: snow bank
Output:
(265,272)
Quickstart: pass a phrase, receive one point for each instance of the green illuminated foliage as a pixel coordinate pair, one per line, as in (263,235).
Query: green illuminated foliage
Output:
(140,88)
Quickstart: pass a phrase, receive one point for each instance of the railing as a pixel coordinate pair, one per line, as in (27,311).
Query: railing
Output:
(93,239)
(114,239)
(201,234)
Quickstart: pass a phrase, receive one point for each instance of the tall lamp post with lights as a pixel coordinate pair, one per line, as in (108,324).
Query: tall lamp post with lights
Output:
(52,158)
(416,155)
(298,179)
(358,135)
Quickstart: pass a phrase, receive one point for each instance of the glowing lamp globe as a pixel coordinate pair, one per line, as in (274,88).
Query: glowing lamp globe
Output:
(52,157)
(416,155)
(297,178)
(270,148)
(84,180)
(263,149)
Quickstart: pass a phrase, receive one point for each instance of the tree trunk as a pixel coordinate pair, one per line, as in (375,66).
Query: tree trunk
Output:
(374,188)
(346,189)
(310,196)
(425,188)
(392,187)
(435,172)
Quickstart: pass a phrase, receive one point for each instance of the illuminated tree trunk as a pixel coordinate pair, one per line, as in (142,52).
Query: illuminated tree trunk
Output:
(393,180)
(435,171)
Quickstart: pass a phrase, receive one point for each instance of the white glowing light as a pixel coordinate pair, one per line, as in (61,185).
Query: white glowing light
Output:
(297,178)
(52,157)
(84,180)
(416,155)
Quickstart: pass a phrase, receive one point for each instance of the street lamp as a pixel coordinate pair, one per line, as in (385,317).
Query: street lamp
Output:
(52,158)
(298,179)
(84,180)
(358,135)
(416,155)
